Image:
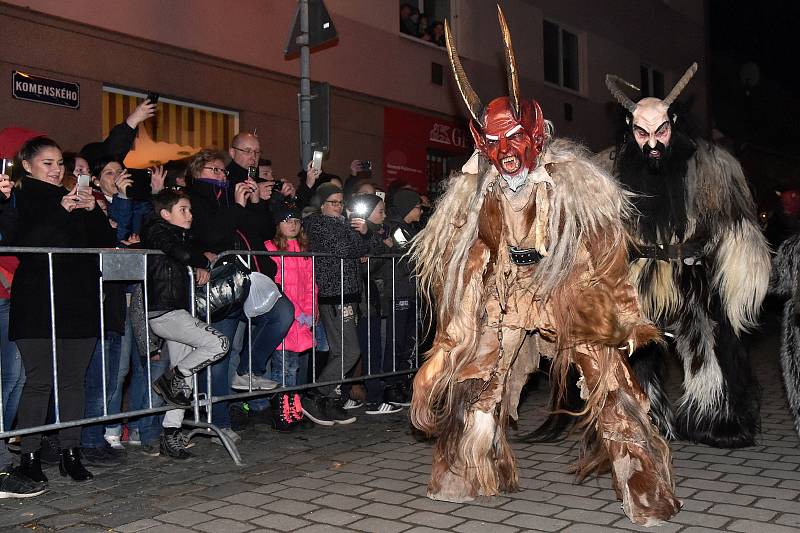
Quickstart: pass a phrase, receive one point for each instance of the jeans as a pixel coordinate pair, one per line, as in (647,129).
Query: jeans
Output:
(149,426)
(12,370)
(126,348)
(269,331)
(93,436)
(72,357)
(287,375)
(375,350)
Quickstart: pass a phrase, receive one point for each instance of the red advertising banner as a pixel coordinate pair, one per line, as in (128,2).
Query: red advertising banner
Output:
(409,138)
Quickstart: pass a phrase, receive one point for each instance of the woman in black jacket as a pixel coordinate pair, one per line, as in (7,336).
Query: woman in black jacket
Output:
(52,217)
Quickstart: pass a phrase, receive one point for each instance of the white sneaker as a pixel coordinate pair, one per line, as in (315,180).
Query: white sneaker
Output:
(259,382)
(352,404)
(114,441)
(230,434)
(133,437)
(382,409)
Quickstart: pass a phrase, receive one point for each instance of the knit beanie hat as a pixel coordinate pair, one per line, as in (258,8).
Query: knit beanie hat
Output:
(323,192)
(404,201)
(362,205)
(283,212)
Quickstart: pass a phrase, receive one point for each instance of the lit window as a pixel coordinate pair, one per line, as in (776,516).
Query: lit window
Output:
(424,19)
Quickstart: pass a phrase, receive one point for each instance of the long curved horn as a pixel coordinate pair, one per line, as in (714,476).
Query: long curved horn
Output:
(681,85)
(467,92)
(616,92)
(511,63)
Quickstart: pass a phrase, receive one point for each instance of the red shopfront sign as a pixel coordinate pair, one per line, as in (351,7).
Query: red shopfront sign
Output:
(408,138)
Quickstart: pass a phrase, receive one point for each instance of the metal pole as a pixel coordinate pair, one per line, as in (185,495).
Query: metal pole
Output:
(305,87)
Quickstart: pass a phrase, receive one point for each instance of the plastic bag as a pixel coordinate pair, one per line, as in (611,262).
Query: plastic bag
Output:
(229,285)
(263,295)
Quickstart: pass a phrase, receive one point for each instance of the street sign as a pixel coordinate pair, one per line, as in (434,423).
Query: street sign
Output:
(321,30)
(45,90)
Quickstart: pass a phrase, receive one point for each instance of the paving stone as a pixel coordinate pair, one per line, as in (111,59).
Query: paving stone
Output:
(385,496)
(724,497)
(139,525)
(333,516)
(534,508)
(475,526)
(435,506)
(384,510)
(667,527)
(280,522)
(699,519)
(379,525)
(589,517)
(750,480)
(734,469)
(482,514)
(208,506)
(306,482)
(223,524)
(184,517)
(291,507)
(579,502)
(346,489)
(768,492)
(250,499)
(789,519)
(782,506)
(391,484)
(749,526)
(337,501)
(571,488)
(704,484)
(237,512)
(61,521)
(168,528)
(738,511)
(429,519)
(537,523)
(320,528)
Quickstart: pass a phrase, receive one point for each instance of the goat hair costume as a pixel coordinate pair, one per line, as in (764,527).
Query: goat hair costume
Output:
(700,265)
(526,256)
(785,282)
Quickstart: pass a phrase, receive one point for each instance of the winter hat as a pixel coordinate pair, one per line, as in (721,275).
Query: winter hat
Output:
(283,213)
(362,205)
(404,201)
(323,192)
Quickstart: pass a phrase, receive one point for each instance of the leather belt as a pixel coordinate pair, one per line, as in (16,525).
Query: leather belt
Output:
(524,256)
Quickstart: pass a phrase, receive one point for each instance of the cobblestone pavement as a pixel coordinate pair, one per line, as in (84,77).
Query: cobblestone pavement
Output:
(371,476)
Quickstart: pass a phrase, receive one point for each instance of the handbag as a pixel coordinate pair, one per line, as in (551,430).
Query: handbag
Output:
(228,288)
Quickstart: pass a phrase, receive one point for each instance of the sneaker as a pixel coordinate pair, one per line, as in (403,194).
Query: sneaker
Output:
(352,404)
(397,396)
(339,415)
(382,408)
(171,444)
(239,413)
(103,456)
(134,438)
(51,450)
(172,387)
(259,382)
(231,434)
(15,485)
(14,444)
(316,409)
(152,450)
(114,441)
(282,413)
(297,408)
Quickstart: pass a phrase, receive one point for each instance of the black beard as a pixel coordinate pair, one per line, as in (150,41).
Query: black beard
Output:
(654,163)
(659,186)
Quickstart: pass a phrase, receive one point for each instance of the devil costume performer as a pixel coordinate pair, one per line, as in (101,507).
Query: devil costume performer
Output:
(700,265)
(785,283)
(526,255)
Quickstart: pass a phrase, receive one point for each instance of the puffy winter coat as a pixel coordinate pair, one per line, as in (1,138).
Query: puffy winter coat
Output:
(296,279)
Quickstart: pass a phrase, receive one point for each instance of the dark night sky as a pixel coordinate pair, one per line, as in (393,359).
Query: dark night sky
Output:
(764,32)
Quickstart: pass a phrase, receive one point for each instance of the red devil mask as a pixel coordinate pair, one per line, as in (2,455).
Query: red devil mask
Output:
(510,131)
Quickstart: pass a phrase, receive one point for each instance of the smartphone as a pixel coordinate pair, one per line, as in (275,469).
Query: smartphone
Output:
(316,161)
(381,195)
(252,172)
(366,165)
(84,181)
(277,187)
(140,188)
(153,97)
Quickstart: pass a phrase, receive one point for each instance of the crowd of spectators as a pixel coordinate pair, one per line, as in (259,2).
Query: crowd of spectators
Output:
(420,25)
(353,306)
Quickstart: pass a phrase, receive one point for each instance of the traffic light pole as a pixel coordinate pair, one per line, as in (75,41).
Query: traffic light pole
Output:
(305,86)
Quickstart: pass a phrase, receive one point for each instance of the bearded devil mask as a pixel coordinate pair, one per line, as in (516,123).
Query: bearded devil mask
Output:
(650,120)
(510,132)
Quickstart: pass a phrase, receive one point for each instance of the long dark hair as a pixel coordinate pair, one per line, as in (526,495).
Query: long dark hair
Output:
(27,152)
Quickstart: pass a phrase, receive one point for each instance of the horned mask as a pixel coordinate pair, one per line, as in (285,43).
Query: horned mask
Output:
(650,120)
(510,131)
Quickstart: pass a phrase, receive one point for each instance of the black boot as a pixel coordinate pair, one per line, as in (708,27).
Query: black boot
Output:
(30,466)
(172,387)
(71,465)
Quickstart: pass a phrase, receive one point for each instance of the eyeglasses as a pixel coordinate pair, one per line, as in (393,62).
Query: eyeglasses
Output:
(216,170)
(334,202)
(248,151)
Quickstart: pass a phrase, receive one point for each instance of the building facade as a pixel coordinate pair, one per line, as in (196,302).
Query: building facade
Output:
(220,67)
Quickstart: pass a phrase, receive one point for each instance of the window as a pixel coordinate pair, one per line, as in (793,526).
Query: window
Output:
(179,129)
(561,56)
(652,83)
(424,19)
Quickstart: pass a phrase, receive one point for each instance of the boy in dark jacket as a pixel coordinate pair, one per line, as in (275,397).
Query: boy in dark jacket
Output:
(192,345)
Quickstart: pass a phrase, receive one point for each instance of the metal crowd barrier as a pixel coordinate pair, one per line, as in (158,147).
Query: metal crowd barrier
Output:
(127,265)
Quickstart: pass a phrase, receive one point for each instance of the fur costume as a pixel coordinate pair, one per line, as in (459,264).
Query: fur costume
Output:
(701,266)
(521,263)
(785,283)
